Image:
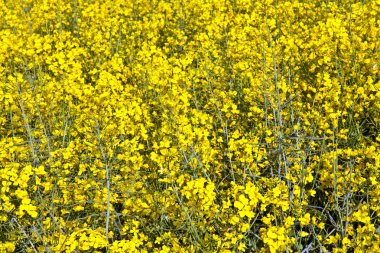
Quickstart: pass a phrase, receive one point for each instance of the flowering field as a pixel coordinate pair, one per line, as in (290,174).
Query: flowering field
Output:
(189,126)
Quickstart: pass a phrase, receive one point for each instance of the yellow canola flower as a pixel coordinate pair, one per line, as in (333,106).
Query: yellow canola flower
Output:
(189,126)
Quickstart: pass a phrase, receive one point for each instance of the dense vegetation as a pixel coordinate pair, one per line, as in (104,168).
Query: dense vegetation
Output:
(189,126)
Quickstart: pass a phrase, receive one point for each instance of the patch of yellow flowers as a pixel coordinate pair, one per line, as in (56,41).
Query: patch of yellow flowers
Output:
(189,126)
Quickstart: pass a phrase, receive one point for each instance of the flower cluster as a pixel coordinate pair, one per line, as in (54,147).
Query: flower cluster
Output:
(189,126)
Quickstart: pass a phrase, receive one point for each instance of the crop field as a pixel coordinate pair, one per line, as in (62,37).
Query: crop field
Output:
(189,126)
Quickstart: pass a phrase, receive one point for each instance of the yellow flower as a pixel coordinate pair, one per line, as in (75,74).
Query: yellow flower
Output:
(305,220)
